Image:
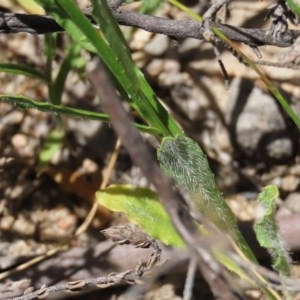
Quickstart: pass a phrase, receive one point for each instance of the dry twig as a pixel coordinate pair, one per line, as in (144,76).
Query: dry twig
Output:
(177,29)
(127,234)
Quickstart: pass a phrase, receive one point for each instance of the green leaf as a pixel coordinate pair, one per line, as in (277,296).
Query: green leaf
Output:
(31,7)
(59,83)
(267,231)
(22,70)
(183,159)
(142,208)
(51,146)
(22,102)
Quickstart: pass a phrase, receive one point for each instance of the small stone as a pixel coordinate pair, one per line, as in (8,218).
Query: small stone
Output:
(19,140)
(155,67)
(290,183)
(158,45)
(23,227)
(291,205)
(258,128)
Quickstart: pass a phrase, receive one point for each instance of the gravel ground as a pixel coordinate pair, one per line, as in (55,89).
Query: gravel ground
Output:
(249,141)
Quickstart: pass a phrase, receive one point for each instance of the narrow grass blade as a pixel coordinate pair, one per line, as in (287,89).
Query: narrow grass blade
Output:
(294,6)
(278,96)
(22,102)
(50,51)
(137,93)
(67,64)
(31,7)
(190,12)
(54,9)
(150,7)
(22,70)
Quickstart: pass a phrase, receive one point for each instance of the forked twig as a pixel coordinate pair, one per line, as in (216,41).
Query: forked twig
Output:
(177,29)
(126,234)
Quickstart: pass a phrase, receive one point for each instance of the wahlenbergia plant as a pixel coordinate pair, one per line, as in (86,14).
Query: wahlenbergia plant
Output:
(110,45)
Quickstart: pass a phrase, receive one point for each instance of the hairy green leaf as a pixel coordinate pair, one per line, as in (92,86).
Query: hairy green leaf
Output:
(267,231)
(183,159)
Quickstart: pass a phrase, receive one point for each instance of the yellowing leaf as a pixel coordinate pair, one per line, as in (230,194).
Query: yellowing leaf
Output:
(142,208)
(31,7)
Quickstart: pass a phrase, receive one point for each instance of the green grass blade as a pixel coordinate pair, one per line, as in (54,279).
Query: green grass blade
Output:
(22,102)
(190,12)
(141,96)
(50,51)
(59,82)
(62,18)
(294,6)
(150,7)
(30,6)
(69,16)
(117,43)
(135,91)
(22,70)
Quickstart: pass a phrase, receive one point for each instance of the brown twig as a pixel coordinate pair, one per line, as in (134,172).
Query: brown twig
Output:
(177,29)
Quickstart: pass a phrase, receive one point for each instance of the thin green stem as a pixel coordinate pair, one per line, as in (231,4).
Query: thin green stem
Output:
(22,102)
(262,76)
(182,7)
